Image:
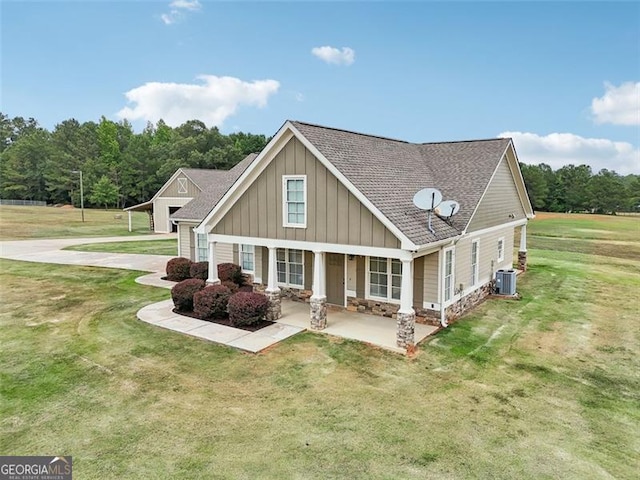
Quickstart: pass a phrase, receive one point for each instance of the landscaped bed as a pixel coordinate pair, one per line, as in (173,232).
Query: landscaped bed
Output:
(232,302)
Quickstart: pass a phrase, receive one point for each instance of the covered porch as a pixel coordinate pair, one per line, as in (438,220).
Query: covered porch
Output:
(371,329)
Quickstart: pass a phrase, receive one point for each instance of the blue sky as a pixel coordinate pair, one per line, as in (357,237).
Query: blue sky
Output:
(563,79)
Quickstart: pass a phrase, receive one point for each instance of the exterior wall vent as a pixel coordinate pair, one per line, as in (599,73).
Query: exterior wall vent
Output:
(506,282)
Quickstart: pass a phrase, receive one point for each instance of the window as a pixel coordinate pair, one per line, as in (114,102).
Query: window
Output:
(385,278)
(182,185)
(474,261)
(295,201)
(290,267)
(247,258)
(448,275)
(202,254)
(500,249)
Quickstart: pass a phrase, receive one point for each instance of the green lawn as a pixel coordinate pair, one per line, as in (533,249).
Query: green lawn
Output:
(147,247)
(544,387)
(19,223)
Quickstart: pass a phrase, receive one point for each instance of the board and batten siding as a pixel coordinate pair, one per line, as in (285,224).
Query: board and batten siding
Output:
(499,202)
(334,215)
(161,212)
(488,256)
(172,190)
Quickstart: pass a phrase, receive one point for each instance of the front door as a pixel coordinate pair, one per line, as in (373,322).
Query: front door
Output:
(335,279)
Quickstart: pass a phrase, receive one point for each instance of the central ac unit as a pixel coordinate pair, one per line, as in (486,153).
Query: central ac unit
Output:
(506,282)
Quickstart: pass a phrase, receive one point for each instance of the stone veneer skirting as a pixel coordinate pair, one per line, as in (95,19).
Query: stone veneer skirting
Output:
(390,310)
(466,303)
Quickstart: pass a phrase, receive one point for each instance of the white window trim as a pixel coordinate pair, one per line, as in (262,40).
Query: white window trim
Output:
(367,283)
(475,269)
(206,249)
(252,252)
(500,251)
(448,301)
(182,185)
(286,256)
(285,204)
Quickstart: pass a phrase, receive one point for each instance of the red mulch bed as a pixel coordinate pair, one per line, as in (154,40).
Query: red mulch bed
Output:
(226,322)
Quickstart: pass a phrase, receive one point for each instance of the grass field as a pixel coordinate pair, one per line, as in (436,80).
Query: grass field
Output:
(146,247)
(18,223)
(544,387)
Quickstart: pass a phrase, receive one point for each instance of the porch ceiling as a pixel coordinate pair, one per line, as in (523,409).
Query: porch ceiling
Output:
(378,331)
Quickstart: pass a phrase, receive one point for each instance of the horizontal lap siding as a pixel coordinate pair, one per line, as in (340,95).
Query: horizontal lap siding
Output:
(488,256)
(334,215)
(431,278)
(161,212)
(186,242)
(499,202)
(224,253)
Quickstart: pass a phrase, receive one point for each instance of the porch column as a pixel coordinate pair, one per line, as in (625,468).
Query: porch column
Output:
(318,300)
(522,252)
(405,337)
(273,291)
(129,215)
(213,265)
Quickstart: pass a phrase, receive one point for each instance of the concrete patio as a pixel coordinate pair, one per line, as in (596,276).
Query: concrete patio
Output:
(372,329)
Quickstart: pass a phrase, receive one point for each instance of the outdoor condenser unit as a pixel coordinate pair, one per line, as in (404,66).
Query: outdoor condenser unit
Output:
(506,282)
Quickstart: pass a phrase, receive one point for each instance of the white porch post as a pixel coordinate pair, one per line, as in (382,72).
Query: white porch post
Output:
(129,215)
(522,252)
(405,336)
(273,291)
(318,300)
(213,265)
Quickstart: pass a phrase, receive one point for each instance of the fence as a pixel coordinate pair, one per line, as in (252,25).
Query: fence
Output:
(33,203)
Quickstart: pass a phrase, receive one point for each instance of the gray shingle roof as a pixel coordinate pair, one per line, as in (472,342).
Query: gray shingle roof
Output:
(218,184)
(389,172)
(203,177)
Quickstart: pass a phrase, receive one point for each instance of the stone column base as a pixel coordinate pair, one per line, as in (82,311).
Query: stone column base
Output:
(318,313)
(275,308)
(405,337)
(522,261)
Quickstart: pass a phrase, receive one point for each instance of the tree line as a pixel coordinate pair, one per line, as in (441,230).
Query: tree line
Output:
(577,189)
(119,167)
(122,168)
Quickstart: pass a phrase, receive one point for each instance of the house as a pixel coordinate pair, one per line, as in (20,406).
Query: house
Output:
(180,189)
(327,216)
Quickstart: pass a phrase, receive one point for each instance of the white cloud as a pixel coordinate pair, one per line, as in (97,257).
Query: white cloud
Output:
(212,101)
(332,55)
(177,9)
(186,4)
(619,105)
(559,149)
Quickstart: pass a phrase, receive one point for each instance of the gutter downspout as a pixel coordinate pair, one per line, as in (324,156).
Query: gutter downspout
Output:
(454,242)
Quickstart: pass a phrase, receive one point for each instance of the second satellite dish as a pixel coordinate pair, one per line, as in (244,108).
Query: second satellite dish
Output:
(447,209)
(427,199)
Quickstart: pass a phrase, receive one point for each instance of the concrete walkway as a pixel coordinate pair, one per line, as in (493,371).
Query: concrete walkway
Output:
(371,329)
(159,314)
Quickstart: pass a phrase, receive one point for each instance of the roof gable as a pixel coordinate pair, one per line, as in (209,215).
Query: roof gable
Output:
(218,184)
(385,174)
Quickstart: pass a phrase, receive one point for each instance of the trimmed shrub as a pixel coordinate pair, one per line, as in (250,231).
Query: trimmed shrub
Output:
(178,269)
(232,286)
(211,302)
(199,270)
(246,288)
(230,272)
(182,293)
(247,308)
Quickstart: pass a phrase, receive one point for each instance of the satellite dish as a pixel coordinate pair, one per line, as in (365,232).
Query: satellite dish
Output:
(427,199)
(447,209)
